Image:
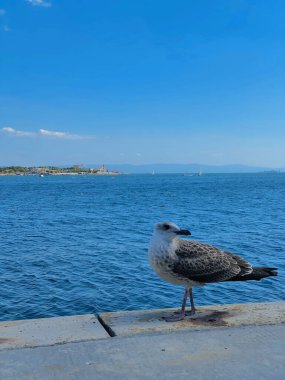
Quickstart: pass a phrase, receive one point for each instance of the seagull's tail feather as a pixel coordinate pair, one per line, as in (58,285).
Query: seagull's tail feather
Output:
(257,274)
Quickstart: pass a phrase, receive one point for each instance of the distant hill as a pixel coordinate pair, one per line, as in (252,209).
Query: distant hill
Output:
(184,168)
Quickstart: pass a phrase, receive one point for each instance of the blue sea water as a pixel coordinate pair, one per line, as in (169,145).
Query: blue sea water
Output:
(78,244)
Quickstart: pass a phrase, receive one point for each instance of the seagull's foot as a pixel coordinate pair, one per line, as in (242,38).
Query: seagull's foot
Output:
(191,312)
(178,316)
(178,312)
(187,312)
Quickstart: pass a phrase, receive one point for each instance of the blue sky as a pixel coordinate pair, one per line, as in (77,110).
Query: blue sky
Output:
(124,81)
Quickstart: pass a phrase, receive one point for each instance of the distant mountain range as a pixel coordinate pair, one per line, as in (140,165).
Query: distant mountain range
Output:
(186,168)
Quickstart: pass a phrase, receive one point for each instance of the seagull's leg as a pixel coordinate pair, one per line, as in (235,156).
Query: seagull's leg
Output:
(181,313)
(184,300)
(193,310)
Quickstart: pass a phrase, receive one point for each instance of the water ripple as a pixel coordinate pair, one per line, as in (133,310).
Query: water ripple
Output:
(75,245)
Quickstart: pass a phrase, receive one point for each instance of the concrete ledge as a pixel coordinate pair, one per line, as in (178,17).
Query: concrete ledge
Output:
(50,331)
(207,317)
(238,353)
(236,341)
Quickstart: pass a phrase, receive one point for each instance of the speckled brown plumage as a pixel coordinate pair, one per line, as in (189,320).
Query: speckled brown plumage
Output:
(204,263)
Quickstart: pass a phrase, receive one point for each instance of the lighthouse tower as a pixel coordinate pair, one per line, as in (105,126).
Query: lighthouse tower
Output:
(102,169)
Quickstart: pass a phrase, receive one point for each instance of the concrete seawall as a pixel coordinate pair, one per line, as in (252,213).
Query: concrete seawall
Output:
(226,341)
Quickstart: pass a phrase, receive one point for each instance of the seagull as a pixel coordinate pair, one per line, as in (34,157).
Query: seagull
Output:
(192,263)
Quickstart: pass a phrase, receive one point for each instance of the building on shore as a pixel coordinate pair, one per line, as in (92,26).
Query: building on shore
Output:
(52,170)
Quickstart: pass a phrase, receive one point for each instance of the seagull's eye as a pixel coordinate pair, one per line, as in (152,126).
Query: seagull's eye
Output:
(166,226)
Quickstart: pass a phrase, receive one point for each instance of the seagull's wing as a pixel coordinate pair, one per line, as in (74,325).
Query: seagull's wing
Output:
(204,263)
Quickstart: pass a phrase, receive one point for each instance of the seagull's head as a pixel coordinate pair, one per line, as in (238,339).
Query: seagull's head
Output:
(168,231)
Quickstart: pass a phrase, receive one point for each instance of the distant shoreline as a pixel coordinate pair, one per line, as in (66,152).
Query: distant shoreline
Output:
(110,173)
(138,169)
(58,174)
(43,171)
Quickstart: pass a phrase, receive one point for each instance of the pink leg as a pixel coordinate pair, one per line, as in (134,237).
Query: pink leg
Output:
(193,310)
(181,314)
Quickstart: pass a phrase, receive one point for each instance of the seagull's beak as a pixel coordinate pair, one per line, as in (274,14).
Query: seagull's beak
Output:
(183,232)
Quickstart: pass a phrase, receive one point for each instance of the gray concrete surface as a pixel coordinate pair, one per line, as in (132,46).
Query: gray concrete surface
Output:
(207,317)
(236,342)
(49,331)
(238,353)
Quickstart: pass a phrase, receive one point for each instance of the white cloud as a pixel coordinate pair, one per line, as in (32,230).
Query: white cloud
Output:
(8,130)
(39,3)
(61,135)
(15,132)
(45,133)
